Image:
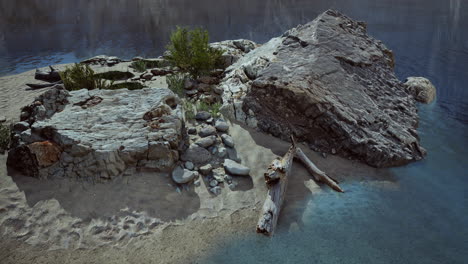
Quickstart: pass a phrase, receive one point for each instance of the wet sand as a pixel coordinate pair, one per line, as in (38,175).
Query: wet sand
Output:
(144,217)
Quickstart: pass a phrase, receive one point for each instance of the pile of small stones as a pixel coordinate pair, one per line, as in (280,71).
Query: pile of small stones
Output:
(211,154)
(205,88)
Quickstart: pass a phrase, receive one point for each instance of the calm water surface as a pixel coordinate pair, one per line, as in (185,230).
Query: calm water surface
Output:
(423,220)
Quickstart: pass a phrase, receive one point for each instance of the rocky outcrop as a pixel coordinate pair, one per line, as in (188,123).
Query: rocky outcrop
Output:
(331,85)
(103,60)
(234,49)
(421,88)
(97,133)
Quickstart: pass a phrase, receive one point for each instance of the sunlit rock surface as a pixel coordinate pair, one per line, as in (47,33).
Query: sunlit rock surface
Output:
(98,133)
(331,85)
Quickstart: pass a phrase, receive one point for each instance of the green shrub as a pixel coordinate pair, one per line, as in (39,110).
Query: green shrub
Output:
(175,82)
(155,64)
(213,109)
(114,75)
(4,137)
(128,85)
(189,110)
(81,76)
(191,52)
(142,65)
(139,65)
(202,106)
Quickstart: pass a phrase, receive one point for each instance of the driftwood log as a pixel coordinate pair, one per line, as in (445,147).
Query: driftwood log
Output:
(276,179)
(50,76)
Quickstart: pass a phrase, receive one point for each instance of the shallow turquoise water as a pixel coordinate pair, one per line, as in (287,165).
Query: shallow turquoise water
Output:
(423,220)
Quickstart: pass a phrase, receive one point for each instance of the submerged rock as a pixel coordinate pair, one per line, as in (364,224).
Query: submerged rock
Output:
(331,85)
(421,88)
(124,128)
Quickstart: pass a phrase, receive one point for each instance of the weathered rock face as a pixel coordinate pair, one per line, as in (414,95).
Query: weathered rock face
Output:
(98,133)
(234,49)
(329,84)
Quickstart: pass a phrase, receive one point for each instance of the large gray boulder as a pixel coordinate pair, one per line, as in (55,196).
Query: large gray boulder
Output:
(421,88)
(98,133)
(331,85)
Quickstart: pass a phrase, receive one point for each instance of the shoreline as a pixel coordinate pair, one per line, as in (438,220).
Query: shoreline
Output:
(232,214)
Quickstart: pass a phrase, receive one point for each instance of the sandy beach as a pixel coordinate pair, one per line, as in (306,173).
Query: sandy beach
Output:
(145,217)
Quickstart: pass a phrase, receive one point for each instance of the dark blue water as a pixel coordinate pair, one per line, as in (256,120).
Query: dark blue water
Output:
(424,219)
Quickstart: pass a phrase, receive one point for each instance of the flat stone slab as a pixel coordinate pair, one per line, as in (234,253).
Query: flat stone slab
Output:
(102,132)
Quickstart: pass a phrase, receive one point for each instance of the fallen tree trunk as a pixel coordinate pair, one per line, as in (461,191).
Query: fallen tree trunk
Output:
(276,179)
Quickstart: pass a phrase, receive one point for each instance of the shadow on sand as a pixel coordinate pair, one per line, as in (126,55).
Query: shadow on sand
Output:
(153,193)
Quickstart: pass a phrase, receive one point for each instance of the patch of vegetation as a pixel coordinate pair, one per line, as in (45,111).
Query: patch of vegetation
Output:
(128,85)
(4,137)
(139,65)
(189,109)
(114,75)
(191,52)
(81,76)
(153,64)
(176,82)
(142,65)
(213,109)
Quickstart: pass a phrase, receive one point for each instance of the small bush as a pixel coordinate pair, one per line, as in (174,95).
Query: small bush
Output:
(189,110)
(191,52)
(213,109)
(114,75)
(139,65)
(176,82)
(142,65)
(4,137)
(202,106)
(81,76)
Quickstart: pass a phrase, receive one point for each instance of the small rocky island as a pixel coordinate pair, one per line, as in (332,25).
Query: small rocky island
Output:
(327,84)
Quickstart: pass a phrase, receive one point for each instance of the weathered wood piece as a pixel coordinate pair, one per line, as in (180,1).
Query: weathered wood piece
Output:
(277,180)
(316,172)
